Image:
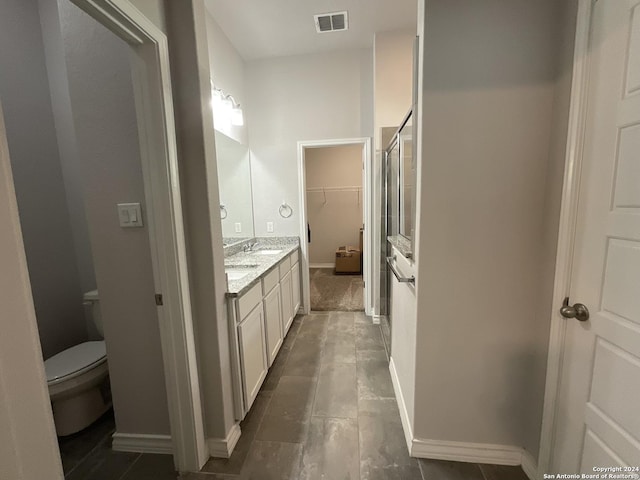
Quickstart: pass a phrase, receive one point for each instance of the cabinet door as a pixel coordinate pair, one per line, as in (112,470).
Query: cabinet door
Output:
(273,323)
(252,354)
(295,288)
(287,307)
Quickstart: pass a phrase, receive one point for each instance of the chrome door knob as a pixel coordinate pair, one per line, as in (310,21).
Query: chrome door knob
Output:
(578,311)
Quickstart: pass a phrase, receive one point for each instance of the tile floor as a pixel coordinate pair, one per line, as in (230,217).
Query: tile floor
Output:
(325,411)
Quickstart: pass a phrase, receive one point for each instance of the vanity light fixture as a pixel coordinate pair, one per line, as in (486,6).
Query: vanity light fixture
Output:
(226,108)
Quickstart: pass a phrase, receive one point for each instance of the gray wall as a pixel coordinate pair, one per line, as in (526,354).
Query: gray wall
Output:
(67,143)
(566,25)
(190,75)
(102,102)
(38,177)
(28,447)
(488,100)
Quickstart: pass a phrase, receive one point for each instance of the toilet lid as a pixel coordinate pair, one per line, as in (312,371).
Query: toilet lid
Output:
(74,359)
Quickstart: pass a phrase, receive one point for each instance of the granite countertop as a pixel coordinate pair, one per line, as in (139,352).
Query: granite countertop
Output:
(402,244)
(265,263)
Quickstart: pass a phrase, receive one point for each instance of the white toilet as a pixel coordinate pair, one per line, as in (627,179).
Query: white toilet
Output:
(78,380)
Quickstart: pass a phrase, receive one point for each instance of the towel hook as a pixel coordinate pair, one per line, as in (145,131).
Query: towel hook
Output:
(223,212)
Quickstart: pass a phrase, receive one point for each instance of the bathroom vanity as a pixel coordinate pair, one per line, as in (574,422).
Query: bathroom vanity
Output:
(263,298)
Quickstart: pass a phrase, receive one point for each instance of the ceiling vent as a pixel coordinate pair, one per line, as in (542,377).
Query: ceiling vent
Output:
(331,22)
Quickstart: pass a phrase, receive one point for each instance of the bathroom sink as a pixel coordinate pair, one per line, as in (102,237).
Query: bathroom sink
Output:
(240,266)
(268,252)
(236,274)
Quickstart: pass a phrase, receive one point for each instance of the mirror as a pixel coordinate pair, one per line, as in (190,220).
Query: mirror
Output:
(234,181)
(407,179)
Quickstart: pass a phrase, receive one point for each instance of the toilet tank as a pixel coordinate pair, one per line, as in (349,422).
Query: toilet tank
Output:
(93,300)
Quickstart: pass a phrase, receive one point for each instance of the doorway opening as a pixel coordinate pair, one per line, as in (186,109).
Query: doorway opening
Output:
(334,193)
(78,131)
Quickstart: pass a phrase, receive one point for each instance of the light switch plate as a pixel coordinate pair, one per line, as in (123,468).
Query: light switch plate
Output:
(269,227)
(238,227)
(130,215)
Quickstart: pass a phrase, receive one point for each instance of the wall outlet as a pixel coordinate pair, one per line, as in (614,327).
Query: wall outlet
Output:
(130,215)
(269,227)
(238,227)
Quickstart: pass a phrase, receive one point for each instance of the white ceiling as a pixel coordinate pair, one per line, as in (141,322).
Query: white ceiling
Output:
(270,28)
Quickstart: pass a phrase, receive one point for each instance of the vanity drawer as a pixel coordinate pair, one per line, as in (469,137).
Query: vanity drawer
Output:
(270,280)
(294,257)
(285,266)
(249,300)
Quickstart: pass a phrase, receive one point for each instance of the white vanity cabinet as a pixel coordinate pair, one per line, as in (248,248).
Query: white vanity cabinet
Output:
(295,287)
(251,338)
(287,307)
(259,319)
(272,314)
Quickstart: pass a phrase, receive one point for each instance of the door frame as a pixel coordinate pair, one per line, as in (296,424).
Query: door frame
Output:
(567,229)
(158,152)
(368,241)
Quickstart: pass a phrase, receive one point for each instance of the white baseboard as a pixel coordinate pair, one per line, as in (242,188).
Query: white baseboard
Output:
(375,319)
(223,447)
(404,414)
(142,443)
(529,465)
(466,452)
(322,265)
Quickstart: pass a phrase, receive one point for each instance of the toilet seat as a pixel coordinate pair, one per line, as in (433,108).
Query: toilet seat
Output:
(75,361)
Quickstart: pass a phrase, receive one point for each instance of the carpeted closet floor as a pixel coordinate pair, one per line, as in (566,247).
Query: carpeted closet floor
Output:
(331,292)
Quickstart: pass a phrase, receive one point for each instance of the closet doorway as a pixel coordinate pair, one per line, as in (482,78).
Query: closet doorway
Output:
(336,207)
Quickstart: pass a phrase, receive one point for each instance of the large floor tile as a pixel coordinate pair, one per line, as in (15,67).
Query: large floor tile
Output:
(313,327)
(151,467)
(339,350)
(502,472)
(74,448)
(443,470)
(305,358)
(336,393)
(341,324)
(331,450)
(383,450)
(371,355)
(374,380)
(274,461)
(103,464)
(368,337)
(288,413)
(249,428)
(361,319)
(393,472)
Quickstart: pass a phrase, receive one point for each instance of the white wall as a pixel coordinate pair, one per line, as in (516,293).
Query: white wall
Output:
(38,177)
(232,142)
(102,102)
(337,221)
(291,99)
(486,111)
(227,72)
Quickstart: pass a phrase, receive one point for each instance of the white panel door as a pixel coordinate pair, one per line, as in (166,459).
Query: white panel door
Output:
(253,356)
(295,288)
(287,302)
(598,414)
(273,322)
